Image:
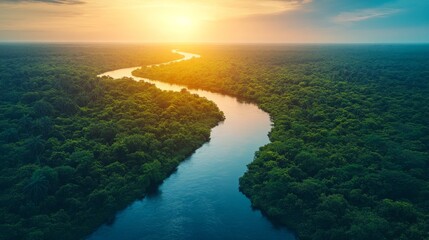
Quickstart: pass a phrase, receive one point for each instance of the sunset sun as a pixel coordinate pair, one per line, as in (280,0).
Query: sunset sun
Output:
(180,25)
(183,22)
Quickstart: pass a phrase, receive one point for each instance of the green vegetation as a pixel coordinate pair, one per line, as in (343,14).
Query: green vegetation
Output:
(74,148)
(349,151)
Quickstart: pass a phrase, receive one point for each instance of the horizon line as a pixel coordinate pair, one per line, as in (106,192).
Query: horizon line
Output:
(210,43)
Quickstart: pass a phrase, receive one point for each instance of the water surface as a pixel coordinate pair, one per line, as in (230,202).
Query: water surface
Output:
(201,200)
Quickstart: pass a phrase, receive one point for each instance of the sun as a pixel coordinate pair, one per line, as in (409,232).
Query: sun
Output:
(175,22)
(183,22)
(180,27)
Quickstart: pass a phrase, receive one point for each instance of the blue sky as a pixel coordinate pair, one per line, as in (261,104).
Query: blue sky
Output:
(289,21)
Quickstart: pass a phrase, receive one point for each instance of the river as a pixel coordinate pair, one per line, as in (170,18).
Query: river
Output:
(201,199)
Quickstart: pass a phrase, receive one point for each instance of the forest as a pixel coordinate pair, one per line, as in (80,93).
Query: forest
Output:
(76,148)
(349,151)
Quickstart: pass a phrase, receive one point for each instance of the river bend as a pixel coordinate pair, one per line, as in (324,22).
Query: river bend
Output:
(201,199)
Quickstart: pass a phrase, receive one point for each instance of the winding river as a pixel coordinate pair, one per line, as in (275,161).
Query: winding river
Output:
(201,199)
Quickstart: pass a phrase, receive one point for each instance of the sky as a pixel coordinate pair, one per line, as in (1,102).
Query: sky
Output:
(218,21)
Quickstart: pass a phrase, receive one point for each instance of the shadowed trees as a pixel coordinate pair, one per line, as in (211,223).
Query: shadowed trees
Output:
(74,148)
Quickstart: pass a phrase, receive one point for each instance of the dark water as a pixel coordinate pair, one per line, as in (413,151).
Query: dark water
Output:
(201,200)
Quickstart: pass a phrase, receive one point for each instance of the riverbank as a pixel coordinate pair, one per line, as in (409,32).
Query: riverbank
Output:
(75,149)
(201,199)
(344,128)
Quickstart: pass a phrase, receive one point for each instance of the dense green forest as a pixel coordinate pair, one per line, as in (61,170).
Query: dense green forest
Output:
(349,151)
(74,148)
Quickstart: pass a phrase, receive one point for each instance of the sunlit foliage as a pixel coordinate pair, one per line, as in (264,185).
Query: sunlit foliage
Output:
(349,151)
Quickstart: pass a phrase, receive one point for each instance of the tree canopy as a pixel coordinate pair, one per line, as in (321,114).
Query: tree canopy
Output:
(349,150)
(74,148)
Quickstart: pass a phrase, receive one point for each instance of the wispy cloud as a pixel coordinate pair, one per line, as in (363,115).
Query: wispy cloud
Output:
(220,9)
(63,2)
(365,14)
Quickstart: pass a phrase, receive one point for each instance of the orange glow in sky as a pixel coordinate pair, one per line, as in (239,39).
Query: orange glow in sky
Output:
(132,20)
(215,20)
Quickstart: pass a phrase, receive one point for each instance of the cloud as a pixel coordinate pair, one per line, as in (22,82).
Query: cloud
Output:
(62,2)
(365,14)
(220,9)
